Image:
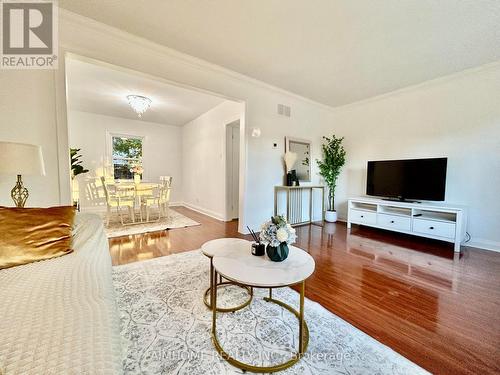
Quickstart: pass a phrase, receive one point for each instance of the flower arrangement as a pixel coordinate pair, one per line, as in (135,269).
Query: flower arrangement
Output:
(137,169)
(277,231)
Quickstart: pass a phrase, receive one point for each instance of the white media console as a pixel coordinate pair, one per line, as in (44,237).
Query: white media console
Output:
(433,220)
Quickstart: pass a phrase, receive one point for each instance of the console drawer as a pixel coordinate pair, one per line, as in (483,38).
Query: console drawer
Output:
(394,221)
(362,217)
(436,228)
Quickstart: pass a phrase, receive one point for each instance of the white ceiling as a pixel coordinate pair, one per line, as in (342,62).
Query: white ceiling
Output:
(99,89)
(332,51)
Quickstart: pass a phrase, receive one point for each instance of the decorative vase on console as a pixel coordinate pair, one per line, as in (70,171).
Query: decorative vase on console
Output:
(291,176)
(277,234)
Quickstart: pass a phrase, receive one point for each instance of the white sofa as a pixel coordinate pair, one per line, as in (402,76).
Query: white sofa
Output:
(59,316)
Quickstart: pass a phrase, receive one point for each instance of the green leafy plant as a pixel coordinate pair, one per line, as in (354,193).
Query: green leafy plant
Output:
(76,164)
(329,168)
(127,147)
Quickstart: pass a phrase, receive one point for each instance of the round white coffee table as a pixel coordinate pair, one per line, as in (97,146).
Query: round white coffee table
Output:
(222,246)
(242,268)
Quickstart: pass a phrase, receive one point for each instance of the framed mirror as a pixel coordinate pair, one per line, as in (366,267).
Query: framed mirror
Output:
(302,148)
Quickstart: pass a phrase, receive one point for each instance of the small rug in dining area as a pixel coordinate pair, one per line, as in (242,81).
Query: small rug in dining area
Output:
(175,220)
(166,327)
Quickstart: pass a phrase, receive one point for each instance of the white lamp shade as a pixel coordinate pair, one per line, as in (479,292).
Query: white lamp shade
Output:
(21,158)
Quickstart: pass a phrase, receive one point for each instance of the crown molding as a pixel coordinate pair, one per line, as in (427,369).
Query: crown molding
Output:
(180,57)
(422,85)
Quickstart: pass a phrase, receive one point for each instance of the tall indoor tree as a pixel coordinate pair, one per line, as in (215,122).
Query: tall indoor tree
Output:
(334,158)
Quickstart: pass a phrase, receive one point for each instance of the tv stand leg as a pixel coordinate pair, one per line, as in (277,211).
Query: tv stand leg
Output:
(348,225)
(457,247)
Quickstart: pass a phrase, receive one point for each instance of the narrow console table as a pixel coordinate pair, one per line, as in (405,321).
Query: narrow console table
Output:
(298,204)
(432,220)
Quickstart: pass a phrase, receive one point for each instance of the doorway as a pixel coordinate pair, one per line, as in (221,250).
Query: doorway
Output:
(232,169)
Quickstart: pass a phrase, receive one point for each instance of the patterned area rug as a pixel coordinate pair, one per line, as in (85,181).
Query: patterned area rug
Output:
(176,220)
(166,327)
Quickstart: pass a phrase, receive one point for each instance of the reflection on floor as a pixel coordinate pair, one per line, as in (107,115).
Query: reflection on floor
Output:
(439,310)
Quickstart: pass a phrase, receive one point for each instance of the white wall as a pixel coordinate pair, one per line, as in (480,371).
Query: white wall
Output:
(203,158)
(161,147)
(27,115)
(456,117)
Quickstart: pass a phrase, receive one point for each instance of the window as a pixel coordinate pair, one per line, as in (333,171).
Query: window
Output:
(127,153)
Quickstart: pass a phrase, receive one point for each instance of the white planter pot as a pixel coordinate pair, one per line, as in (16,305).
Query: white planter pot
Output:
(331,216)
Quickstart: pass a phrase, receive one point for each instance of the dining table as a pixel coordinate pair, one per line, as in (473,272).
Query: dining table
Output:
(139,189)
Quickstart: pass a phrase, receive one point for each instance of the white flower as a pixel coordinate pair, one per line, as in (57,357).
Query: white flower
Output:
(282,235)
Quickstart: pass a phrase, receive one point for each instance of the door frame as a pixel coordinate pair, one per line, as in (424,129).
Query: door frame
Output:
(228,210)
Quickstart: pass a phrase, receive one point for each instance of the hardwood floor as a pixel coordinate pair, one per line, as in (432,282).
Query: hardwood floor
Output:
(439,310)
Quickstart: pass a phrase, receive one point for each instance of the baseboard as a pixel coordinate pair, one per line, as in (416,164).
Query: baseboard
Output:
(176,204)
(203,211)
(483,244)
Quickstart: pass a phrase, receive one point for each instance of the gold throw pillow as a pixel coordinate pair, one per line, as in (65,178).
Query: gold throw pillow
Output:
(32,234)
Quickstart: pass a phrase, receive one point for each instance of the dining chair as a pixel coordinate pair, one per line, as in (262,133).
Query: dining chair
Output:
(166,180)
(118,198)
(160,199)
(164,201)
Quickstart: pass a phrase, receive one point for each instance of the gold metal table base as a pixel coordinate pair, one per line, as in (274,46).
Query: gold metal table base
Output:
(223,283)
(228,309)
(303,334)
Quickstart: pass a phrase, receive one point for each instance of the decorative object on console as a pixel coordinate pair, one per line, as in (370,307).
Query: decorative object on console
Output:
(277,234)
(290,158)
(329,169)
(139,104)
(19,159)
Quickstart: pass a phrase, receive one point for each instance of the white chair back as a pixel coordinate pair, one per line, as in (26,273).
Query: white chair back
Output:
(166,181)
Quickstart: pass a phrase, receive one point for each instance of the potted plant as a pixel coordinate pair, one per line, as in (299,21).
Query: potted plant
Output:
(76,164)
(329,168)
(76,169)
(277,234)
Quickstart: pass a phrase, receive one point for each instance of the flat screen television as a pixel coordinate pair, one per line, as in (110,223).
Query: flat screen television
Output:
(420,179)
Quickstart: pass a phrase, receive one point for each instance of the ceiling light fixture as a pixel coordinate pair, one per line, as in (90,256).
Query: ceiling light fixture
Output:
(139,104)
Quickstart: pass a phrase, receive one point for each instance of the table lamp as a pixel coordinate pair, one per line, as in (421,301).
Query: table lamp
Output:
(19,159)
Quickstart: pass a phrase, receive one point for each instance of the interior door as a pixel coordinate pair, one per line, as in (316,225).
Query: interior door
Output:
(233,169)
